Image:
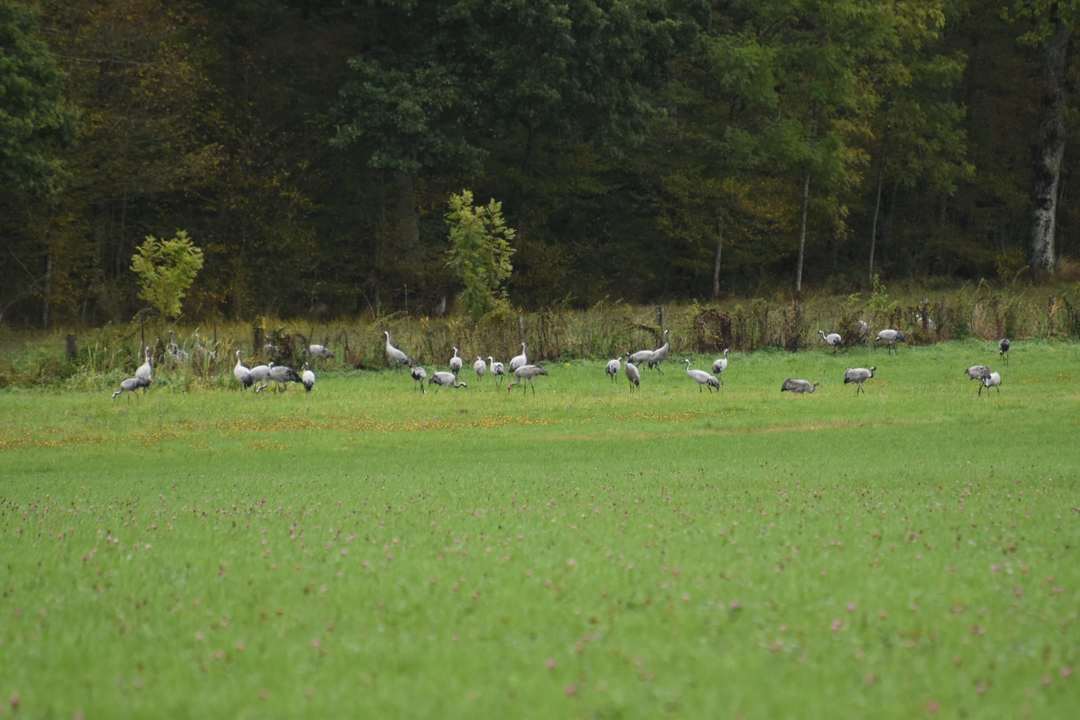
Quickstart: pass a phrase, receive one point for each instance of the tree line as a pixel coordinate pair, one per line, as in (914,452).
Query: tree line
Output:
(640,149)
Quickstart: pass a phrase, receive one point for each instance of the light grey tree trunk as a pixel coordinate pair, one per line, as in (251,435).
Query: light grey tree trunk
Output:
(716,261)
(802,233)
(1050,146)
(877,212)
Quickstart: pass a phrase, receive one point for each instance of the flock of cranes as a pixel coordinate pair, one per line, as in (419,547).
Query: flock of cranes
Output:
(523,373)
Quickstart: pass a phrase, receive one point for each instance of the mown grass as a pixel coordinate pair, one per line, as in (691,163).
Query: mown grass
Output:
(368,551)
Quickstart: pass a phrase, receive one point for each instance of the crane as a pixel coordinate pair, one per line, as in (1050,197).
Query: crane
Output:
(525,374)
(702,378)
(858,376)
(394,357)
(519,360)
(798,385)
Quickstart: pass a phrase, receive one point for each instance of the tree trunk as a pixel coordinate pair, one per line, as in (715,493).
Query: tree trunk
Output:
(47,290)
(802,233)
(877,212)
(716,261)
(406,219)
(1050,145)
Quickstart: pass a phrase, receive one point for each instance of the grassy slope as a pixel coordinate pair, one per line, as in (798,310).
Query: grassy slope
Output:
(669,552)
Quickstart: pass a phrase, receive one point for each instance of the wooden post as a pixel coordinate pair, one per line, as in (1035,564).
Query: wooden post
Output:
(70,347)
(256,338)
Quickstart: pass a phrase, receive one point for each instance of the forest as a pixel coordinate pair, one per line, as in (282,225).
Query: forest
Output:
(641,150)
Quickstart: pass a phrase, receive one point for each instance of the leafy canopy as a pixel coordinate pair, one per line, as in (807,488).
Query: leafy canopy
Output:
(479,252)
(166,269)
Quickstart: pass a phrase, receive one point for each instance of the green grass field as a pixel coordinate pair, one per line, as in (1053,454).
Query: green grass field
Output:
(366,551)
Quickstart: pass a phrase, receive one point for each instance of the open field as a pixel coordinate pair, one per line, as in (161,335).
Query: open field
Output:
(584,552)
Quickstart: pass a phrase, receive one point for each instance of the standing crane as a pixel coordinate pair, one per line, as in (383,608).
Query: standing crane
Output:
(890,337)
(613,368)
(798,385)
(519,360)
(632,373)
(307,377)
(702,378)
(145,372)
(479,367)
(525,374)
(660,354)
(455,363)
(1003,348)
(241,373)
(260,374)
(858,376)
(993,380)
(833,340)
(419,375)
(394,357)
(720,365)
(497,370)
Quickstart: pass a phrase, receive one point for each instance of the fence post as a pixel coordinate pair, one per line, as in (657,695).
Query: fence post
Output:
(70,347)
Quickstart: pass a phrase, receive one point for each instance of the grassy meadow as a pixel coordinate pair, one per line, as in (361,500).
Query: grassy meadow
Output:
(369,551)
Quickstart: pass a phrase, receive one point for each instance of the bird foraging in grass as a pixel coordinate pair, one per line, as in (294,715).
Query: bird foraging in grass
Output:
(241,373)
(307,377)
(798,385)
(833,339)
(613,368)
(991,381)
(858,376)
(890,338)
(977,372)
(130,385)
(525,374)
(702,378)
(419,375)
(445,379)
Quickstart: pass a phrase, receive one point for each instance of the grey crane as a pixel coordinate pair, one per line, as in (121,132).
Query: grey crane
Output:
(241,373)
(519,360)
(445,379)
(497,370)
(858,376)
(479,367)
(319,351)
(394,357)
(280,374)
(525,374)
(660,354)
(798,385)
(702,378)
(455,363)
(613,368)
(145,372)
(890,337)
(720,365)
(1003,348)
(632,373)
(259,375)
(307,377)
(977,372)
(832,339)
(130,385)
(419,375)
(863,329)
(993,380)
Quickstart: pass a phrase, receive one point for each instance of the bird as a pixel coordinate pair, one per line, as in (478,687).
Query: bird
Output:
(632,373)
(798,385)
(858,376)
(612,368)
(319,351)
(497,370)
(307,377)
(443,378)
(720,365)
(259,374)
(863,328)
(519,360)
(174,352)
(890,338)
(702,378)
(1003,347)
(993,380)
(455,363)
(525,374)
(241,373)
(833,339)
(419,375)
(977,372)
(282,375)
(130,385)
(641,356)
(479,367)
(145,372)
(660,354)
(394,357)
